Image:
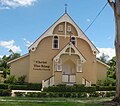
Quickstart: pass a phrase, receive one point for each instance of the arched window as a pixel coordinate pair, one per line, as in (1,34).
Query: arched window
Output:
(73,40)
(55,42)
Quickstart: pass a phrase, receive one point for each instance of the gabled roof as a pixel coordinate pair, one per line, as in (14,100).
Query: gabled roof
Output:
(18,58)
(103,63)
(64,18)
(70,45)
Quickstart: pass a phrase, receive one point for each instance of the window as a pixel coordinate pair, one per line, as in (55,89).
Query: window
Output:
(79,66)
(69,29)
(59,68)
(55,42)
(73,40)
(60,28)
(58,65)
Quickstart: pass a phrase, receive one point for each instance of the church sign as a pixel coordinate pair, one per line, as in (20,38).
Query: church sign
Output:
(41,65)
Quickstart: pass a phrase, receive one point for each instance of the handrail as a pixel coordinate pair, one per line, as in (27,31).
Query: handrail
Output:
(49,78)
(48,82)
(86,80)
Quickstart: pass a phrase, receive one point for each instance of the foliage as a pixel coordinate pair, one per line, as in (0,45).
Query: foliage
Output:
(3,62)
(106,82)
(21,79)
(18,87)
(27,86)
(110,80)
(65,94)
(6,71)
(34,86)
(112,70)
(65,88)
(105,88)
(3,86)
(11,79)
(19,94)
(5,92)
(103,58)
(94,94)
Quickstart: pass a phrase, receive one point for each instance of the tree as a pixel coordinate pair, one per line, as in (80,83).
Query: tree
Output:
(112,70)
(3,62)
(115,4)
(103,58)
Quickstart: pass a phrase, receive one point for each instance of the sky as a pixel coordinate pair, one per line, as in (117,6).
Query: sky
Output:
(23,21)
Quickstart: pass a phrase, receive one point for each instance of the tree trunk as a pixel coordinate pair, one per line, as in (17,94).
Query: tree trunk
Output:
(116,7)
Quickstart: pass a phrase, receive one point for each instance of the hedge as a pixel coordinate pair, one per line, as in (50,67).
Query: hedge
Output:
(105,88)
(5,92)
(3,86)
(65,94)
(18,87)
(34,86)
(29,86)
(70,89)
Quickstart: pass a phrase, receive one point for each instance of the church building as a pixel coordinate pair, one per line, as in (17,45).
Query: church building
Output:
(63,54)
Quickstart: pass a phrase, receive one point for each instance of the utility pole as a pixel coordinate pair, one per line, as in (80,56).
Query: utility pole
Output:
(115,4)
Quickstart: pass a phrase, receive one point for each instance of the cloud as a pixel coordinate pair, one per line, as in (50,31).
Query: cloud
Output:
(28,43)
(4,8)
(7,4)
(88,20)
(1,56)
(10,45)
(107,51)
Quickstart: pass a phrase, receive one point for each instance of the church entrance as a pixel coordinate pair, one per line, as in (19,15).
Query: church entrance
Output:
(68,72)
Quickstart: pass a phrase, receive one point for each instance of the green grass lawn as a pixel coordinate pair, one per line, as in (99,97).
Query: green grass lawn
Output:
(47,104)
(17,101)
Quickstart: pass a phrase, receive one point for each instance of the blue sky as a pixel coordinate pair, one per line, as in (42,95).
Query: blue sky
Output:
(23,21)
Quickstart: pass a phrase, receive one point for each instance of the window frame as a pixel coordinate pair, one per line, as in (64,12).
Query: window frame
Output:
(69,28)
(53,42)
(60,29)
(79,66)
(73,40)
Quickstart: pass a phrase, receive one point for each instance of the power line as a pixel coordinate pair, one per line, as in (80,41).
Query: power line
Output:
(96,17)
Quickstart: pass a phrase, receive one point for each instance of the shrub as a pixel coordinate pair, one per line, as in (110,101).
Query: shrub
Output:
(5,92)
(52,94)
(11,79)
(109,94)
(81,94)
(19,94)
(30,86)
(18,87)
(107,82)
(100,83)
(74,95)
(3,86)
(102,94)
(76,88)
(89,89)
(105,88)
(60,94)
(94,94)
(67,94)
(34,86)
(21,79)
